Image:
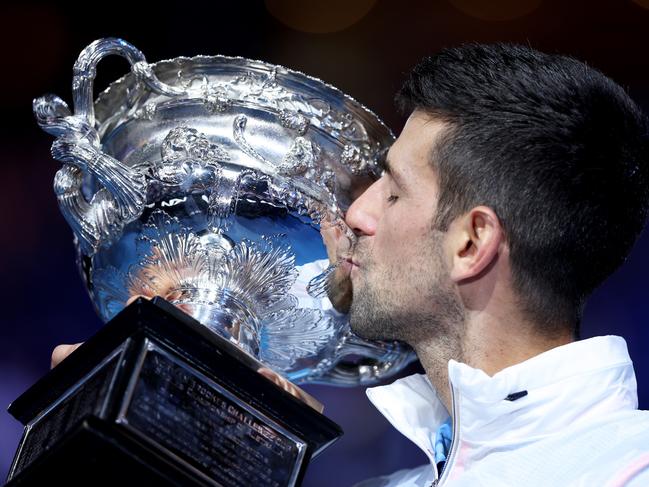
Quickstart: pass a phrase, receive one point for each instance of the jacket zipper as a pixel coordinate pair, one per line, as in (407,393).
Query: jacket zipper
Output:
(438,482)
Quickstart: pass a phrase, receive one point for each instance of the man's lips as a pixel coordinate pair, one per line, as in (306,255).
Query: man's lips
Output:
(349,259)
(349,264)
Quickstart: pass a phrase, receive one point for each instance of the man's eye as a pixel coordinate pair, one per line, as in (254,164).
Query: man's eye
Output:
(392,198)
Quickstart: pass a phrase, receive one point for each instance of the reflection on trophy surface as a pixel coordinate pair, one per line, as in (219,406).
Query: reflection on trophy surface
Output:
(207,181)
(204,181)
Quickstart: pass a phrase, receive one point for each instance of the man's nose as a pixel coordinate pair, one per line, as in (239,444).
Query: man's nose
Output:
(362,215)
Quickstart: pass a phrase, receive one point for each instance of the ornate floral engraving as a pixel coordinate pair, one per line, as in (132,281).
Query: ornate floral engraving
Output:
(188,157)
(147,112)
(184,142)
(293,334)
(294,120)
(238,129)
(302,156)
(196,275)
(294,110)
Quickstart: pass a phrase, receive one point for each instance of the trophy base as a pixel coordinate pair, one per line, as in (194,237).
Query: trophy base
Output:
(96,453)
(155,396)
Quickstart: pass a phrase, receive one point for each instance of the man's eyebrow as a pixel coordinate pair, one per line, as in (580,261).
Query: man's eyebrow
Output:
(386,166)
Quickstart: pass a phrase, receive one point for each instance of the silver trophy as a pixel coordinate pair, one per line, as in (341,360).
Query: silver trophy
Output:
(204,181)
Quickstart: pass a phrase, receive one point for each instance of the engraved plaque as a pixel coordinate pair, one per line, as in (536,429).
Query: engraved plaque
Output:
(208,427)
(85,398)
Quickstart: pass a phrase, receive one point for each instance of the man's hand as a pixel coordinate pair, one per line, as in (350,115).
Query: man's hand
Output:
(291,388)
(62,351)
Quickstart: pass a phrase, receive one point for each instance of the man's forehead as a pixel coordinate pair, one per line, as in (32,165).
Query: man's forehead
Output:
(422,123)
(414,146)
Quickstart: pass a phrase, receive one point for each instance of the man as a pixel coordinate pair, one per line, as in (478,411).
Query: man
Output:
(518,184)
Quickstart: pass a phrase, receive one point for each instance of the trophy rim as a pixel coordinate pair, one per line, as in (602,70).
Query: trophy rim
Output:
(375,124)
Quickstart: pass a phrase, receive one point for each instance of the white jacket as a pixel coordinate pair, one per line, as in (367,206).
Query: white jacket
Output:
(578,425)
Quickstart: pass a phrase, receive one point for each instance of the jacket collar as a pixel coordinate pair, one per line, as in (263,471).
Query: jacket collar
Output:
(566,385)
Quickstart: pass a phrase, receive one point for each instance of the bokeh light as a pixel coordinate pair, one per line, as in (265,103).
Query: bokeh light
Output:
(319,16)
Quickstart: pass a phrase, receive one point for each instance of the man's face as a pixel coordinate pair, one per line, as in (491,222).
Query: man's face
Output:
(399,275)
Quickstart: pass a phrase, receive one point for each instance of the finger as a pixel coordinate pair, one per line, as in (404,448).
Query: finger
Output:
(135,296)
(272,376)
(280,381)
(60,352)
(291,388)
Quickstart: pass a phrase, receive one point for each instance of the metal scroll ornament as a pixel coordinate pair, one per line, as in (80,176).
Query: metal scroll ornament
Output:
(204,180)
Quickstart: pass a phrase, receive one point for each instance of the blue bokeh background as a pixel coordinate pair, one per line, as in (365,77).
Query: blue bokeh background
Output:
(46,303)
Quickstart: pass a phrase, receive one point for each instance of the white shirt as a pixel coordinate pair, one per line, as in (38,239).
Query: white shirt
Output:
(578,425)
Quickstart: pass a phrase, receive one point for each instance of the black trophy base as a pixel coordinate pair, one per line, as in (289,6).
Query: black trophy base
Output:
(155,398)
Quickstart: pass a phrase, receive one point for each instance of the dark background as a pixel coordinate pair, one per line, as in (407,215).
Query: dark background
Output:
(362,47)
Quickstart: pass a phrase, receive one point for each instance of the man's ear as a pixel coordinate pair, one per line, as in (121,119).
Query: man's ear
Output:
(474,241)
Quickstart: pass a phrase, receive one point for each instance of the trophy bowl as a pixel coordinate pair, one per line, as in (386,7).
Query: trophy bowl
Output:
(203,184)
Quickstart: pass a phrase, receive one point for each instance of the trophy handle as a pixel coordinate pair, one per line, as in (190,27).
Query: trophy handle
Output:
(85,72)
(360,362)
(120,197)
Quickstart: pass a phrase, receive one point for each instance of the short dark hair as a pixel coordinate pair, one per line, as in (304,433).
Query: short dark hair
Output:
(559,152)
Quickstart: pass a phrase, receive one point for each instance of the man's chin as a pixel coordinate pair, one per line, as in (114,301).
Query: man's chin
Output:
(364,328)
(363,333)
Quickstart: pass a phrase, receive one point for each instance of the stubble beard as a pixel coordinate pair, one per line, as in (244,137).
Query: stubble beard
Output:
(413,303)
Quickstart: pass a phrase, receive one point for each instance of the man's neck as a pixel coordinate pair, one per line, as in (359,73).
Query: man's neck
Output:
(486,344)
